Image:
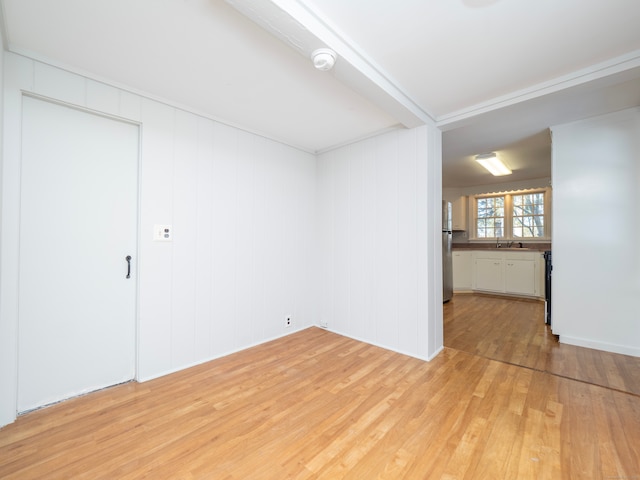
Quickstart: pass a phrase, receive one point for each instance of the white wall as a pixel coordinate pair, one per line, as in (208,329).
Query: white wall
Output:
(380,242)
(596,225)
(243,212)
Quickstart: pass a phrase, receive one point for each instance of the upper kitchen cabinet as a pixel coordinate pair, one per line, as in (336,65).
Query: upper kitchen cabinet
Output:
(459,214)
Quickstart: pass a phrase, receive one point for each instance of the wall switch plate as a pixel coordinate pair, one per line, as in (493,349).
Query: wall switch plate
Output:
(162,233)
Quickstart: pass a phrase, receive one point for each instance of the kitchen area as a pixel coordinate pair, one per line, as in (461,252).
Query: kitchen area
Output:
(594,269)
(498,264)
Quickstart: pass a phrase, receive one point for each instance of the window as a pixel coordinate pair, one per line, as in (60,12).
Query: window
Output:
(512,216)
(490,220)
(528,215)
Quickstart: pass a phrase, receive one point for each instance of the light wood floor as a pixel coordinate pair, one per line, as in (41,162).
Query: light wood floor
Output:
(316,405)
(513,331)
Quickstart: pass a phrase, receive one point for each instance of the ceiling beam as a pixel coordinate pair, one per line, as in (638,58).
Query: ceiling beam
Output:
(305,30)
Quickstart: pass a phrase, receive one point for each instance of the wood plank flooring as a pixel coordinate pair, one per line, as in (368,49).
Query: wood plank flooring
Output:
(513,331)
(315,405)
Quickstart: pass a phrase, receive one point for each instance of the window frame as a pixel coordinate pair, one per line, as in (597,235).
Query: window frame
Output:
(508,218)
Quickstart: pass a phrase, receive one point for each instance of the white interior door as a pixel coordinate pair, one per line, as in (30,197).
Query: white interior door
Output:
(78,224)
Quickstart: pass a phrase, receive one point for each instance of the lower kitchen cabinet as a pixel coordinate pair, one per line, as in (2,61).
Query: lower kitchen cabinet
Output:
(518,273)
(489,272)
(520,276)
(462,270)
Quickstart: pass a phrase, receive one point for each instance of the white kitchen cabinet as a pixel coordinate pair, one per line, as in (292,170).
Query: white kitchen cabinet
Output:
(519,275)
(462,276)
(489,272)
(459,214)
(508,272)
(489,275)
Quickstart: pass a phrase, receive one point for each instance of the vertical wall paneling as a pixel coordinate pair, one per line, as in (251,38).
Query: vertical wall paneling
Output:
(305,240)
(433,201)
(324,212)
(370,245)
(203,312)
(269,234)
(184,247)
(260,206)
(156,258)
(387,208)
(341,266)
(279,247)
(426,162)
(224,239)
(408,245)
(377,221)
(245,294)
(356,238)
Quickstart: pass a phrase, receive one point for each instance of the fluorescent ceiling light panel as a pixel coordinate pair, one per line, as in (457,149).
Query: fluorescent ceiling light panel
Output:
(491,162)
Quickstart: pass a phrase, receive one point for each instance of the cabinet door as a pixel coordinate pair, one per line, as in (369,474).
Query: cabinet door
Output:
(488,275)
(462,270)
(520,277)
(459,214)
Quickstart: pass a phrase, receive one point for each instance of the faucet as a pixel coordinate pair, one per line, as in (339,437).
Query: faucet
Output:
(498,242)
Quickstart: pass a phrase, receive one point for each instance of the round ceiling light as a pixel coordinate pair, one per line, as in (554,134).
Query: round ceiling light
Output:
(323,59)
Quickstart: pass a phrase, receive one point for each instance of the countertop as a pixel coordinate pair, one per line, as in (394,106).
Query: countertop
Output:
(540,247)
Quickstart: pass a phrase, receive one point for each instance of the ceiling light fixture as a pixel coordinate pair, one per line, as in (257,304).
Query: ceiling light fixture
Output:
(323,59)
(491,162)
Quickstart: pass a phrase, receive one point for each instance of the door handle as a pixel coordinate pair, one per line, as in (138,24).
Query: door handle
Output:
(128,259)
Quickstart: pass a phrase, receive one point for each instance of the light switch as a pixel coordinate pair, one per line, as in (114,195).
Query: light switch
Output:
(162,233)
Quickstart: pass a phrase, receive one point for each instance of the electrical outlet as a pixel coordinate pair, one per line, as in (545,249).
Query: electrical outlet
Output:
(288,322)
(324,324)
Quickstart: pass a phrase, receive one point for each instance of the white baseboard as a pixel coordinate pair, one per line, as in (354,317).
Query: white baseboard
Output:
(606,347)
(386,347)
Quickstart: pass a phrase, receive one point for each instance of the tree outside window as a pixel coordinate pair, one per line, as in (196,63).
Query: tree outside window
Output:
(528,215)
(511,216)
(490,218)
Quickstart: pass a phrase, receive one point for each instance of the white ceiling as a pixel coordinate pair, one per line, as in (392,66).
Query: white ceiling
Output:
(493,74)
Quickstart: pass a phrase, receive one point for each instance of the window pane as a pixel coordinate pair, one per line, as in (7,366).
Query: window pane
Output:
(528,215)
(490,217)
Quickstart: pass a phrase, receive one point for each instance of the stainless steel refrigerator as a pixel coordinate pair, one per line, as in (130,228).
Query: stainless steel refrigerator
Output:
(447,265)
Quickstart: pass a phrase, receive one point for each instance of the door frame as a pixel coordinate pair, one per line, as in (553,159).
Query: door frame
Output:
(15,90)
